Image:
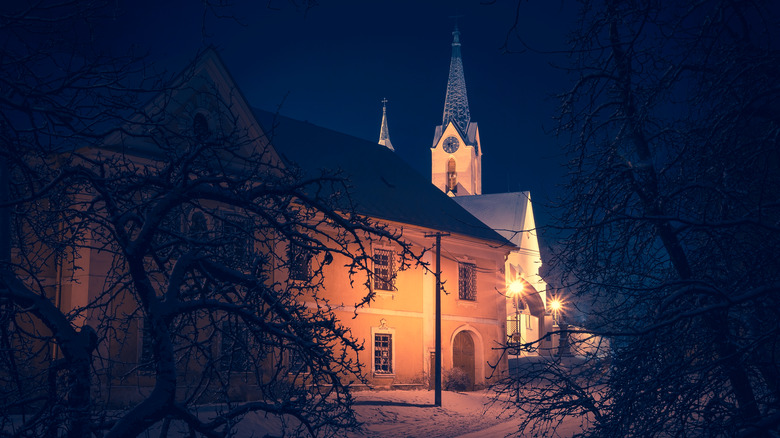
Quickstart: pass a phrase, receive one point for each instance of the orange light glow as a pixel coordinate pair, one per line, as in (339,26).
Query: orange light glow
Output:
(556,305)
(515,288)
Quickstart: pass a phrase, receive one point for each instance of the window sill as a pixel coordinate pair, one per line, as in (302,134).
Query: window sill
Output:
(384,294)
(467,304)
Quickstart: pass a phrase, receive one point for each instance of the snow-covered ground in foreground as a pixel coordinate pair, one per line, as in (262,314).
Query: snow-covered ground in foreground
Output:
(460,413)
(398,414)
(405,414)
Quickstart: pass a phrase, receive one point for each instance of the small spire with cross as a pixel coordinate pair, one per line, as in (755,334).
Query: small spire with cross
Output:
(384,133)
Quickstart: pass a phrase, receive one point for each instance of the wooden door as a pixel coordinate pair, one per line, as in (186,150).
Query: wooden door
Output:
(463,355)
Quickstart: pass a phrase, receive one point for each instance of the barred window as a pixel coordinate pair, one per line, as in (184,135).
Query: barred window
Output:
(467,281)
(383,353)
(299,259)
(237,242)
(296,362)
(234,346)
(146,355)
(383,269)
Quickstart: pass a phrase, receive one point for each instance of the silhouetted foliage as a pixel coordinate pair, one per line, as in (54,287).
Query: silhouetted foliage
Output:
(143,236)
(672,219)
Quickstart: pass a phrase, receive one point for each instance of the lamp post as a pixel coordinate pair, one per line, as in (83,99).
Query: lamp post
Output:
(515,290)
(563,338)
(555,306)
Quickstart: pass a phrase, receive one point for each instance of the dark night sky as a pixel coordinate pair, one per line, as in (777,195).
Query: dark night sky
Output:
(333,64)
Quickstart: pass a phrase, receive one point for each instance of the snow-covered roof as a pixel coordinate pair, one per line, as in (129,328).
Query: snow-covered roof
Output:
(383,186)
(503,212)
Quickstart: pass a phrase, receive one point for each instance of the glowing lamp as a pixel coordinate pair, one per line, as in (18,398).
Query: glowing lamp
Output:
(516,288)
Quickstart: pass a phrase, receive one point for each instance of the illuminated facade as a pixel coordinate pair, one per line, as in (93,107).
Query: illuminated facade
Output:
(456,169)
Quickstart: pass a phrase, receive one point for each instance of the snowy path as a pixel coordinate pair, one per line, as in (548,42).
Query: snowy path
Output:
(461,415)
(411,414)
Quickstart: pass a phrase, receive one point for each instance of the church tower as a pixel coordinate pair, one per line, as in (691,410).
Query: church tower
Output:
(456,154)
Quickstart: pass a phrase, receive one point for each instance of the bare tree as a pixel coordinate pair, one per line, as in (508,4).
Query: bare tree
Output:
(672,222)
(205,252)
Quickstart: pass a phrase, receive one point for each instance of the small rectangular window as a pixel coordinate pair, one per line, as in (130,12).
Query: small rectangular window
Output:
(383,353)
(236,242)
(146,355)
(383,269)
(296,362)
(467,281)
(299,259)
(234,346)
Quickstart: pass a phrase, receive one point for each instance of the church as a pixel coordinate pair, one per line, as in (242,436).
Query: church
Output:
(491,259)
(488,267)
(456,169)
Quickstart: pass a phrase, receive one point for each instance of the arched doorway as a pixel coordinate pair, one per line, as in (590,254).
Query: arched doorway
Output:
(463,355)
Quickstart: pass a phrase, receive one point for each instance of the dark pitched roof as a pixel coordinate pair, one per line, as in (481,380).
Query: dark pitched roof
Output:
(382,185)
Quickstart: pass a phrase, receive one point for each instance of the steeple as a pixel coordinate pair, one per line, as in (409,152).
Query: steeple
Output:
(456,103)
(456,152)
(384,134)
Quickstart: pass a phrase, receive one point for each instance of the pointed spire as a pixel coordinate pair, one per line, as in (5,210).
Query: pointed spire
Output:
(456,103)
(384,134)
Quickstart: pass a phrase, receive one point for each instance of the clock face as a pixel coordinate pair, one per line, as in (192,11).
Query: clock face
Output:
(451,144)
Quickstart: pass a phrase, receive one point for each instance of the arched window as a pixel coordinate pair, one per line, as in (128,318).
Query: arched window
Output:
(452,176)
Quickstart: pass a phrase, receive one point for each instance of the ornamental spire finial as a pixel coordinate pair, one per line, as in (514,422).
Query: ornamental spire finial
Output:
(384,134)
(456,103)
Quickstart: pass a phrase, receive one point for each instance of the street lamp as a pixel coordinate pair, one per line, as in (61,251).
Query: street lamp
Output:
(515,290)
(555,306)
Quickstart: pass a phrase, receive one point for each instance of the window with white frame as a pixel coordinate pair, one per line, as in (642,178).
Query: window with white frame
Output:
(467,281)
(383,269)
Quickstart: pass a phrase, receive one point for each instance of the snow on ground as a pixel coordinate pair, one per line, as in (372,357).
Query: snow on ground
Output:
(411,414)
(399,414)
(404,414)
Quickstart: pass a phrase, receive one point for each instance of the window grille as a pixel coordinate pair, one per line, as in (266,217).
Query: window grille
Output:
(383,269)
(146,356)
(296,362)
(235,346)
(383,353)
(237,242)
(299,263)
(467,281)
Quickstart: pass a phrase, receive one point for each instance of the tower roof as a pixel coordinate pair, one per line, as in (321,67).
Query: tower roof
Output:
(456,103)
(384,134)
